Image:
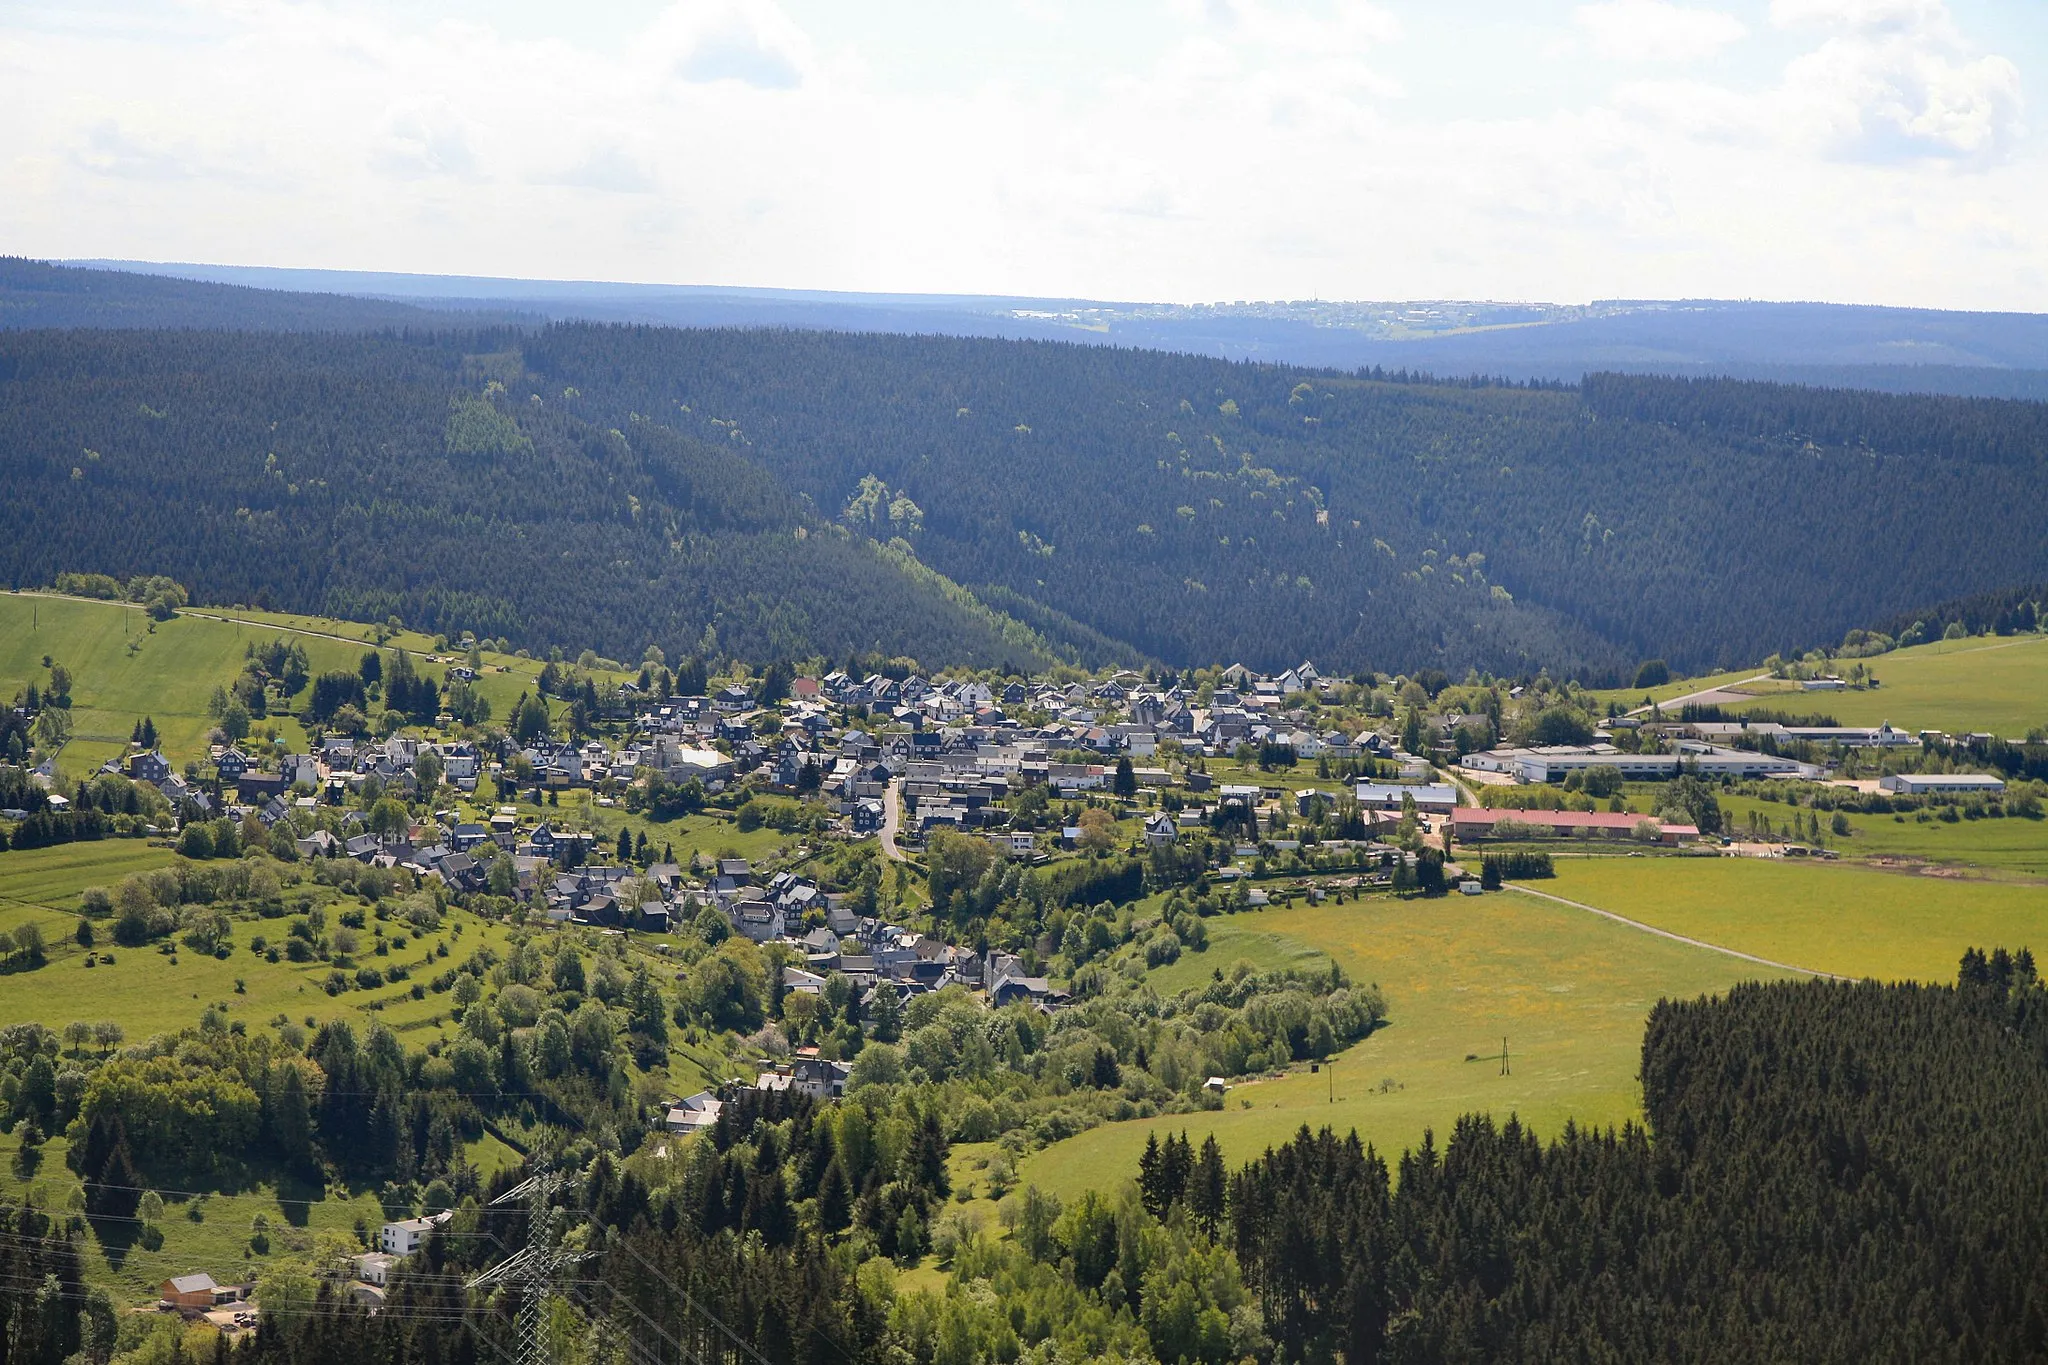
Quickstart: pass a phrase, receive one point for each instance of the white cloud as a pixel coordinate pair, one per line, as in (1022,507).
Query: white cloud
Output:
(1895,80)
(1257,148)
(1861,14)
(751,42)
(1656,31)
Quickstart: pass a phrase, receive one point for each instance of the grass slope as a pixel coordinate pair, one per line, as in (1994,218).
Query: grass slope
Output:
(1829,917)
(43,883)
(1569,990)
(1997,684)
(122,670)
(1988,683)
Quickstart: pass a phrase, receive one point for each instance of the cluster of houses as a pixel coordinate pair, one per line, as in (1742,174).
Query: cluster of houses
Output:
(198,1296)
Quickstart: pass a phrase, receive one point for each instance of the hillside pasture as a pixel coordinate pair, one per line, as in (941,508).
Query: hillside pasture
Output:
(125,667)
(1568,990)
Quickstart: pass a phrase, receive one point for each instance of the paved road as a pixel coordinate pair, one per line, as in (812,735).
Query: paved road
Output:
(1675,938)
(892,821)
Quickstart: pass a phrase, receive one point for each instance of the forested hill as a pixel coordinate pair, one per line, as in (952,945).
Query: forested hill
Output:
(1208,510)
(616,486)
(36,294)
(371,476)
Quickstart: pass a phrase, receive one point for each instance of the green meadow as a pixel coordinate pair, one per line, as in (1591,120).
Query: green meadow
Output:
(1996,684)
(125,666)
(48,880)
(1568,991)
(1833,917)
(213,1230)
(1632,697)
(2009,847)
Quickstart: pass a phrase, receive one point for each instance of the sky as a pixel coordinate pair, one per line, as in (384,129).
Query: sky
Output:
(1855,151)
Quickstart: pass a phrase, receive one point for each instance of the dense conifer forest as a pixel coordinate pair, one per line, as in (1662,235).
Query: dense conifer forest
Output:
(964,500)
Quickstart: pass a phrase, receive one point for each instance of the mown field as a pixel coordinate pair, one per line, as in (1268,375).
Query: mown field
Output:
(1832,917)
(1987,683)
(1569,992)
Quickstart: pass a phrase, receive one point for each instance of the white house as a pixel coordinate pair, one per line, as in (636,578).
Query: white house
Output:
(407,1235)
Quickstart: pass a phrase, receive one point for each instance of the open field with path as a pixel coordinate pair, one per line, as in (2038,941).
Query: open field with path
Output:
(1987,683)
(1569,990)
(1832,917)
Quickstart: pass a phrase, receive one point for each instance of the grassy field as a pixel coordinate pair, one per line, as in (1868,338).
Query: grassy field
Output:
(1569,990)
(125,667)
(123,670)
(1989,683)
(149,991)
(1986,683)
(1632,697)
(218,1241)
(49,879)
(1830,917)
(2009,847)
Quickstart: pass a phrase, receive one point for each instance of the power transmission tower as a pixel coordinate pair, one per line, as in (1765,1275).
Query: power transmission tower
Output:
(1504,1058)
(534,1268)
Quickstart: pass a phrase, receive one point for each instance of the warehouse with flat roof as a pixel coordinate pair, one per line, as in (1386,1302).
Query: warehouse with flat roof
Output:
(1941,784)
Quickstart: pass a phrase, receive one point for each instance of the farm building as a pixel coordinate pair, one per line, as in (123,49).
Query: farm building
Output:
(1553,764)
(1471,825)
(1941,784)
(1435,798)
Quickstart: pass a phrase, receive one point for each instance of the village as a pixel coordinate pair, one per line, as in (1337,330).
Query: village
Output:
(1266,788)
(895,760)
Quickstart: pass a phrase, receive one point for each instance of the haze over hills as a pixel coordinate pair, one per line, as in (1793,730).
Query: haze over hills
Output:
(1998,355)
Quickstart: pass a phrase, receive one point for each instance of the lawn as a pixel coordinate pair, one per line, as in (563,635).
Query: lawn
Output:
(1989,683)
(1569,991)
(1831,917)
